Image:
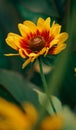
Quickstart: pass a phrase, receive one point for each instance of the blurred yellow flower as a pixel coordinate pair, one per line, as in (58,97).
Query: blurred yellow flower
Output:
(36,40)
(13,118)
(52,123)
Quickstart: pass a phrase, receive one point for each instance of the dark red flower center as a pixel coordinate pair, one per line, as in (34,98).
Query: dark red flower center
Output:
(37,43)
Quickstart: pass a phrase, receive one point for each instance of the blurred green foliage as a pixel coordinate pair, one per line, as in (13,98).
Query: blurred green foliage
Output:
(19,89)
(13,12)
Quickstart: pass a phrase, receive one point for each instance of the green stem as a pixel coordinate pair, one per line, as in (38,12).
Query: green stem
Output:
(42,75)
(45,84)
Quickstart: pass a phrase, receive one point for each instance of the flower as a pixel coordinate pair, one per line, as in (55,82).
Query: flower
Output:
(63,120)
(36,40)
(13,118)
(52,123)
(75,71)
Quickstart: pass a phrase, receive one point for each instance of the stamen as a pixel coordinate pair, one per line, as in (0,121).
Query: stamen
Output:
(37,43)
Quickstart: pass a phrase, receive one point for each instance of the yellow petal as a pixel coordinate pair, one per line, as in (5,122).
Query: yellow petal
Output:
(40,22)
(42,51)
(52,123)
(10,111)
(32,115)
(24,30)
(35,57)
(55,29)
(23,53)
(38,54)
(62,37)
(12,118)
(11,54)
(47,23)
(53,42)
(26,63)
(59,48)
(47,49)
(30,25)
(43,24)
(13,40)
(32,54)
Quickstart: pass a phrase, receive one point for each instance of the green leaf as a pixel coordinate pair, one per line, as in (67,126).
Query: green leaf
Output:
(42,97)
(4,93)
(18,87)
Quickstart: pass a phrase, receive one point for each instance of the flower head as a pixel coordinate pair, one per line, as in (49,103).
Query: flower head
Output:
(13,118)
(54,122)
(36,40)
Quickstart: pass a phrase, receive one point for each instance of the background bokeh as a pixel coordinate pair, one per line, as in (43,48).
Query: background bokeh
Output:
(63,12)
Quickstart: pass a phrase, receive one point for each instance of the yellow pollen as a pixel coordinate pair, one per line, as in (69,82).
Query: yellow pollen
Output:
(37,43)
